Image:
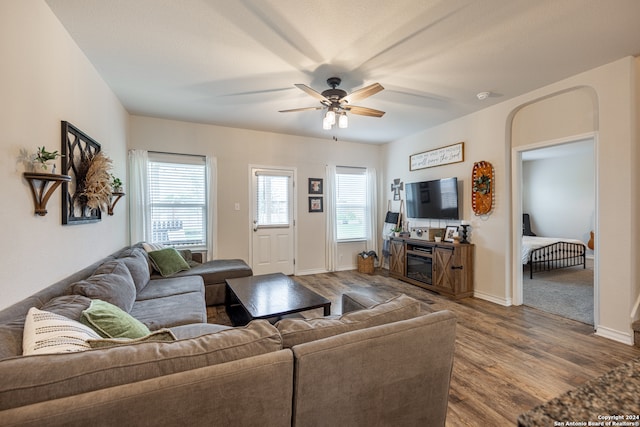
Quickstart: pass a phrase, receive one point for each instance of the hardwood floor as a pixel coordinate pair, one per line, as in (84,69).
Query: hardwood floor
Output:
(507,360)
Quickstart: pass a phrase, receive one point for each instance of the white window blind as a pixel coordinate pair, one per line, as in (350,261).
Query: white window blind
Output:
(273,199)
(178,199)
(351,204)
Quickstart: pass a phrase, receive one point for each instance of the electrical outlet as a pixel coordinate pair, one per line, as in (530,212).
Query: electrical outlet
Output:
(237,206)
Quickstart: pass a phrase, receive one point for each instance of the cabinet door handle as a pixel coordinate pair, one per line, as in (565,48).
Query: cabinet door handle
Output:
(457,267)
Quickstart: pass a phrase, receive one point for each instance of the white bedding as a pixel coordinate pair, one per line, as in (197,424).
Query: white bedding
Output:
(530,243)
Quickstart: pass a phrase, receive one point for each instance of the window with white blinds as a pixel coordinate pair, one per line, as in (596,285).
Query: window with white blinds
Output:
(273,198)
(178,199)
(351,204)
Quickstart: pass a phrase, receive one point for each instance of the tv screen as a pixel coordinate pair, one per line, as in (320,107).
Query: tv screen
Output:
(436,199)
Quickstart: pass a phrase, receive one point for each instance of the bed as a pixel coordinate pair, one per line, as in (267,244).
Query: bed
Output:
(549,253)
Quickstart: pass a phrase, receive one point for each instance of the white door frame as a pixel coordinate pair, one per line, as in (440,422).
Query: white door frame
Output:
(294,206)
(516,209)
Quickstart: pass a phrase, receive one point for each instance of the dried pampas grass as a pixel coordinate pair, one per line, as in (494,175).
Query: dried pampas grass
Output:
(97,188)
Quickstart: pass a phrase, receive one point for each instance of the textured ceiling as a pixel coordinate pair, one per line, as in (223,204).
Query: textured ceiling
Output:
(234,63)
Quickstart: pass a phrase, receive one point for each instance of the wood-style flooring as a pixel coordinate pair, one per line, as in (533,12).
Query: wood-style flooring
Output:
(507,359)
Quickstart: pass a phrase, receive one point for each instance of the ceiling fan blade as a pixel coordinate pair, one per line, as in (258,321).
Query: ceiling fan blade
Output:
(301,109)
(364,111)
(363,93)
(312,92)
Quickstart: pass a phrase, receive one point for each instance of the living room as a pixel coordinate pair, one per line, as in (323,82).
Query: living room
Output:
(46,78)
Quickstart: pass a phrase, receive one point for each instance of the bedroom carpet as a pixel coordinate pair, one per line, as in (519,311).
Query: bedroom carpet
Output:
(567,292)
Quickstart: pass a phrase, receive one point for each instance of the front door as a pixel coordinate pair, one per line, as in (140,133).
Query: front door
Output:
(272,242)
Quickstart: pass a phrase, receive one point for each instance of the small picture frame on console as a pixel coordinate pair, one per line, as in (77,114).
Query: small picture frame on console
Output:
(450,233)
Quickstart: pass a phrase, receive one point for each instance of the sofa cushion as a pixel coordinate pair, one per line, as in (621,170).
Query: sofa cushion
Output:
(161,288)
(32,379)
(171,310)
(159,335)
(70,306)
(112,283)
(218,270)
(46,333)
(11,338)
(167,261)
(197,329)
(298,331)
(136,261)
(110,321)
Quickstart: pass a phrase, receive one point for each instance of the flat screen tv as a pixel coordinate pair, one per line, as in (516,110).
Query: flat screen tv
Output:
(437,199)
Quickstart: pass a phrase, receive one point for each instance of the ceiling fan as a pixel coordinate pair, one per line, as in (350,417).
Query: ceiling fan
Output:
(338,103)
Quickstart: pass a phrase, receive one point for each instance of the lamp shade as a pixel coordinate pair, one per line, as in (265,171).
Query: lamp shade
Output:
(325,124)
(331,117)
(343,121)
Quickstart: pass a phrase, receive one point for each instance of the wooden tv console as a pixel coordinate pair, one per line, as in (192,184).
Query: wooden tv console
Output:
(445,268)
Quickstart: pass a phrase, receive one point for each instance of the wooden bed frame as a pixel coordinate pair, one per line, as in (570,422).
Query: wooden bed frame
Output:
(557,255)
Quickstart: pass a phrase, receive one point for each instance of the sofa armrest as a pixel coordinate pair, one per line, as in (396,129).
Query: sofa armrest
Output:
(352,301)
(393,374)
(197,257)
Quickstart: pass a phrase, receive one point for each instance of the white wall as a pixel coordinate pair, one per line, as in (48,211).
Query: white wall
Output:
(559,195)
(235,150)
(44,79)
(487,136)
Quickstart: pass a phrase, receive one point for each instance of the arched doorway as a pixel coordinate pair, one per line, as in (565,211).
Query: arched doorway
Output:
(556,120)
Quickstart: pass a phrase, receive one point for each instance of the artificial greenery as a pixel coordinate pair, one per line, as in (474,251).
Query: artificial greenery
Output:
(116,184)
(43,156)
(482,184)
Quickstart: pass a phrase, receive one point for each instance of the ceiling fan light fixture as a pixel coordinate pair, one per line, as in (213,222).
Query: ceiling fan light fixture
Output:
(326,125)
(331,117)
(343,121)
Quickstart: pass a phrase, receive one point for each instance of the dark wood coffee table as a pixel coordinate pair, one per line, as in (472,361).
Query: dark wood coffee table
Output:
(269,296)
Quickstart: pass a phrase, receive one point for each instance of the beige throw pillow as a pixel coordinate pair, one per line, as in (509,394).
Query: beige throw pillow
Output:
(47,333)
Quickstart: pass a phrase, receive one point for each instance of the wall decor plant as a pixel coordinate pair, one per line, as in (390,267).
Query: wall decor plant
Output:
(79,204)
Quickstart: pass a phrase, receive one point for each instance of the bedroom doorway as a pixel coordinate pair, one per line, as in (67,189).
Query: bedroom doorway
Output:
(557,182)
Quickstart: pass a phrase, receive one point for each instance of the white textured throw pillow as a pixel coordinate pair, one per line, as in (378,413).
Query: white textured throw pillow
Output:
(46,332)
(149,247)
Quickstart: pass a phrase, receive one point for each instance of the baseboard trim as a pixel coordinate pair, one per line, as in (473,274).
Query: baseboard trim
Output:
(614,335)
(492,298)
(310,272)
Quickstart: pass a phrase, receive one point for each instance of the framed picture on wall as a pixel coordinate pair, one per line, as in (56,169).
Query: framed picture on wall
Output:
(315,185)
(315,204)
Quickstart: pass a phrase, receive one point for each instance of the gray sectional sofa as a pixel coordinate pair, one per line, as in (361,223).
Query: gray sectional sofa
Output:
(388,364)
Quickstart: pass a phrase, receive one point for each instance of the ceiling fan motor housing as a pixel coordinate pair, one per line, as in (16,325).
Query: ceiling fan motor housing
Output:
(334,94)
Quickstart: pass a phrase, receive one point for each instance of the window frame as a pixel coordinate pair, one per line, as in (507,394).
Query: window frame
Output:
(180,159)
(359,171)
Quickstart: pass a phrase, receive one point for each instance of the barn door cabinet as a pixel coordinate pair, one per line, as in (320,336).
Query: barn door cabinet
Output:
(445,268)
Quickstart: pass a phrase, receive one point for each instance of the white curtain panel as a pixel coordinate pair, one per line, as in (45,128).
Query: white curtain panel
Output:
(331,257)
(372,210)
(212,207)
(138,189)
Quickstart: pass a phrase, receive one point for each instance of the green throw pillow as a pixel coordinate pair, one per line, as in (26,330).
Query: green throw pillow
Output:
(110,321)
(168,261)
